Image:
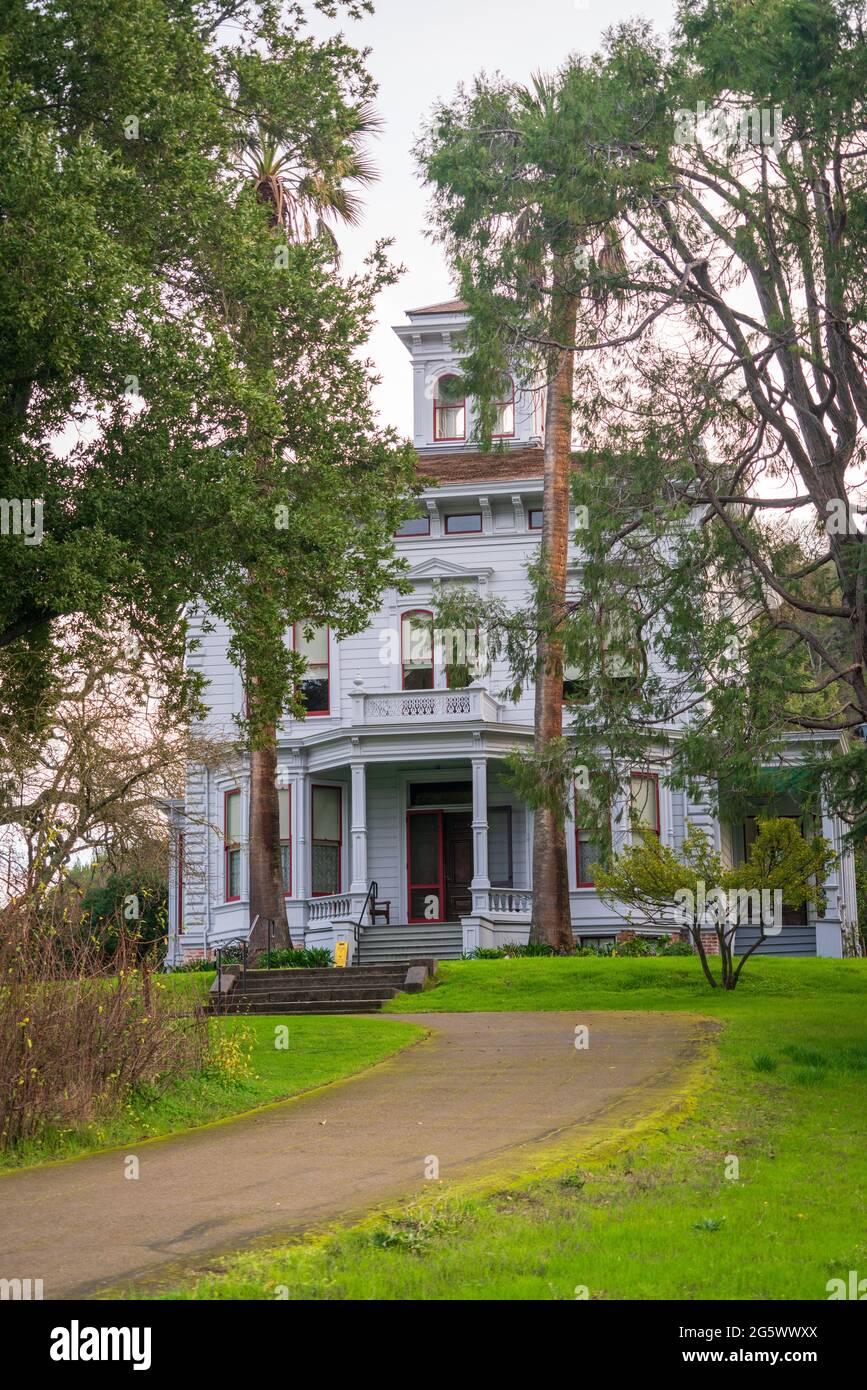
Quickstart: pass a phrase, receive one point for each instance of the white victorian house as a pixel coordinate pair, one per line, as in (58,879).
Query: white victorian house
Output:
(396,776)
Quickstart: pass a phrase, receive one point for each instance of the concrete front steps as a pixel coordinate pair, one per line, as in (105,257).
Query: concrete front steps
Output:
(383,944)
(354,990)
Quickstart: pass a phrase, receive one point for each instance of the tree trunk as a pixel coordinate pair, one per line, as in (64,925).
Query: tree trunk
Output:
(266,871)
(551,921)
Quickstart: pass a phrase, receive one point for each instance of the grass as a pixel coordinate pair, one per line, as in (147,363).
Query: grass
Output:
(756,1192)
(319,1049)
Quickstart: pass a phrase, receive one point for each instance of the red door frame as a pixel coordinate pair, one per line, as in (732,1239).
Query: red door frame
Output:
(410,885)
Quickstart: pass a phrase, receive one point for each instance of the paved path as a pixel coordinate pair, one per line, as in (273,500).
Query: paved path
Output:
(478,1093)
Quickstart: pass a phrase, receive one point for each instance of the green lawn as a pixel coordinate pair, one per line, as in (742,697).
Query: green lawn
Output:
(320,1049)
(786,1097)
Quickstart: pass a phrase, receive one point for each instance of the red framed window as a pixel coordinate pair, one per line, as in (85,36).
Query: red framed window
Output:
(284,801)
(327,840)
(504,423)
(644,801)
(425,889)
(316,681)
(464,524)
(232,844)
(450,409)
(413,526)
(416,650)
(534,518)
(588,849)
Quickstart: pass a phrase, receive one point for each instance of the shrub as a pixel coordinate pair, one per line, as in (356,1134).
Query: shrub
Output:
(77,1036)
(531,948)
(191,966)
(304,958)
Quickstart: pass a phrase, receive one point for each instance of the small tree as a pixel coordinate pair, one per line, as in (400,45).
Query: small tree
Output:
(655,881)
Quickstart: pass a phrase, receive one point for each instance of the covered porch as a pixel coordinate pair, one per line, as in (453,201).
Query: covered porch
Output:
(382,843)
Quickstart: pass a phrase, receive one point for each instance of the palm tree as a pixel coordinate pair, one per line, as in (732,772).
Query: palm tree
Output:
(301,203)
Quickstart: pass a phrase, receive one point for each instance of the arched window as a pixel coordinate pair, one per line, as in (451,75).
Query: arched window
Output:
(450,409)
(504,420)
(416,650)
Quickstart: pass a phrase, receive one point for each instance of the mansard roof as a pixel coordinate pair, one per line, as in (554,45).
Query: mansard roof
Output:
(470,465)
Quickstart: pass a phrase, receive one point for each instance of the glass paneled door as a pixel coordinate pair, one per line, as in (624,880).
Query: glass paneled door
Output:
(424,835)
(440,854)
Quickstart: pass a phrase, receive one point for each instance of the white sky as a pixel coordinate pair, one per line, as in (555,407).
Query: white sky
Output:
(421,50)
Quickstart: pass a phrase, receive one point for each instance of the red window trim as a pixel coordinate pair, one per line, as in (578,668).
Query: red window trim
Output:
(579,831)
(648,777)
(476,531)
(229,845)
(331,787)
(508,400)
(287,840)
(445,438)
(317,713)
(409,613)
(530,512)
(411,886)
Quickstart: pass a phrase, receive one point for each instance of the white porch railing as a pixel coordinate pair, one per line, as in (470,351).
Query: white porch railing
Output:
(517,902)
(335,907)
(428,706)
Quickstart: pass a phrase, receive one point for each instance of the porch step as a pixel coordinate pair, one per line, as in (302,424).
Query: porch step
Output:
(357,989)
(382,944)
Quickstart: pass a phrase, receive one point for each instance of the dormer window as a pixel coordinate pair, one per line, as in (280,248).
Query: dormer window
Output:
(450,409)
(504,420)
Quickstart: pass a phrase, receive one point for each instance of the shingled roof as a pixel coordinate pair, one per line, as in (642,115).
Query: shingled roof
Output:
(470,466)
(449,306)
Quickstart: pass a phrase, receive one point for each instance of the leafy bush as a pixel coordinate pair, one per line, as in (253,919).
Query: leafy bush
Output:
(309,958)
(77,1037)
(191,966)
(532,948)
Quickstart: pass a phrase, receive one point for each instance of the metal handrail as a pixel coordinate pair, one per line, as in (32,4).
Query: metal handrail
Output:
(370,897)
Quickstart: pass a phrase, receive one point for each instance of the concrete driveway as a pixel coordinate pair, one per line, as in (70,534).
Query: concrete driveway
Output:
(482,1094)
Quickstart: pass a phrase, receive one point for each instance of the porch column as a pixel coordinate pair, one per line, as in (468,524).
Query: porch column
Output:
(358,828)
(301,813)
(480,825)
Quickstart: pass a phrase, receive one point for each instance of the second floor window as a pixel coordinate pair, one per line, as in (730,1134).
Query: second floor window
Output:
(450,409)
(416,650)
(464,524)
(312,644)
(644,801)
(534,518)
(232,845)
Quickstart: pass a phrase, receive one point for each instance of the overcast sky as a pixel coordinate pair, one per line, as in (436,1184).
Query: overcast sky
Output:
(420,51)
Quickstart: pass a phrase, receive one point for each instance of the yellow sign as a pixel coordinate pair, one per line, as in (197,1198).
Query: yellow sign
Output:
(341,950)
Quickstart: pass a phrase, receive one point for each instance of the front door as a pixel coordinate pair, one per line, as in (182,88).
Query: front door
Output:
(457,863)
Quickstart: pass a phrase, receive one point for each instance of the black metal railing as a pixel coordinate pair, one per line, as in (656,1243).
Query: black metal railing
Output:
(369,900)
(241,946)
